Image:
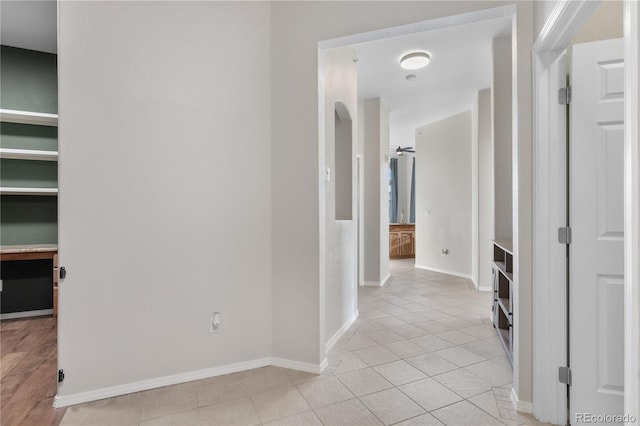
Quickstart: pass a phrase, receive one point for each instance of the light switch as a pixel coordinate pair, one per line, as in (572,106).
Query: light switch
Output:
(427,212)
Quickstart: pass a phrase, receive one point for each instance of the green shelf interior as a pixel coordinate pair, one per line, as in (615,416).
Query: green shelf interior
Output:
(28,82)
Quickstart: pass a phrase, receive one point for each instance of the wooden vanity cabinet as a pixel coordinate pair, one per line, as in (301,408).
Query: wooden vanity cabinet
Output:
(402,241)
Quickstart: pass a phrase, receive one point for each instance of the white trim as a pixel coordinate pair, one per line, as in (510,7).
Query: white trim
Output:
(418,27)
(300,366)
(322,209)
(93,395)
(323,365)
(26,314)
(520,406)
(28,117)
(377,283)
(444,271)
(8,190)
(563,24)
(331,342)
(385,280)
(632,211)
(28,154)
(484,289)
(549,213)
(143,385)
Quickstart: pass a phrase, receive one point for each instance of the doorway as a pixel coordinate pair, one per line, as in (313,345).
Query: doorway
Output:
(380,155)
(556,304)
(28,217)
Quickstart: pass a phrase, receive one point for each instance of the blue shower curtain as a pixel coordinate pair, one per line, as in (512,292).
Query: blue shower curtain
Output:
(393,193)
(412,208)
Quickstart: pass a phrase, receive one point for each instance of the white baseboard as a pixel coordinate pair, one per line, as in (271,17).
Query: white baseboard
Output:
(484,289)
(331,342)
(385,280)
(143,385)
(26,314)
(324,364)
(377,283)
(520,406)
(443,271)
(297,365)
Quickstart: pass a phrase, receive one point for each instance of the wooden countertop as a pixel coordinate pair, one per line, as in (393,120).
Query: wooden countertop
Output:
(28,251)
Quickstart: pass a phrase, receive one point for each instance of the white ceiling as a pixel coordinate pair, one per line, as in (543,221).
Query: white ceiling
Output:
(460,66)
(29,24)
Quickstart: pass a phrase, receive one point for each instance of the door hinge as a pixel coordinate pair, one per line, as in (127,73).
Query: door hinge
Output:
(564,95)
(564,375)
(564,235)
(60,375)
(63,272)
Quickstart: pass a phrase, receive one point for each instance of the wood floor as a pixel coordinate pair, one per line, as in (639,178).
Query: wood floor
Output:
(29,372)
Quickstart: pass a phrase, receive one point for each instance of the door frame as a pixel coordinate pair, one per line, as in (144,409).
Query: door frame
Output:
(549,257)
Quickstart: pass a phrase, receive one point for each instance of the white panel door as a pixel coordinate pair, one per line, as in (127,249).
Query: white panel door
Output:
(596,218)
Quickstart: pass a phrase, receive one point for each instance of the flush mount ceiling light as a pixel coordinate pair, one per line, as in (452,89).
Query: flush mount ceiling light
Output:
(415,60)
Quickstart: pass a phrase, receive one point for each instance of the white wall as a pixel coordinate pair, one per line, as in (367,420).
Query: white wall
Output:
(154,234)
(376,199)
(340,85)
(605,23)
(502,137)
(156,88)
(362,195)
(443,187)
(485,188)
(475,246)
(522,154)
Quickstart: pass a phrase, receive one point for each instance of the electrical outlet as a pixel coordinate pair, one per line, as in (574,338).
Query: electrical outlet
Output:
(214,323)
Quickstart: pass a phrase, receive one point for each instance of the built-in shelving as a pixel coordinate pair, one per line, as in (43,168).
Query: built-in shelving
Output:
(29,181)
(8,190)
(32,118)
(28,117)
(28,154)
(503,294)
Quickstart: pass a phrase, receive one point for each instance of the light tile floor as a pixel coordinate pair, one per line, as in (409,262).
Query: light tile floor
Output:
(423,352)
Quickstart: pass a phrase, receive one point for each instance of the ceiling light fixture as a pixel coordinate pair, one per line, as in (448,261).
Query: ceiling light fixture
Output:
(415,60)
